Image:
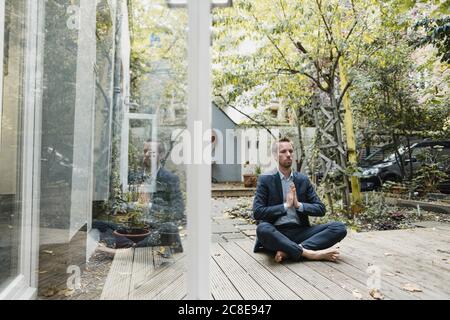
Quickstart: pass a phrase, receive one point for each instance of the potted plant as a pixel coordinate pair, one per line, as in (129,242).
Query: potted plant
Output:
(250,175)
(130,218)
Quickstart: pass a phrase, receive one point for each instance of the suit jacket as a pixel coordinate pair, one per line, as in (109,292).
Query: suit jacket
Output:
(167,200)
(268,204)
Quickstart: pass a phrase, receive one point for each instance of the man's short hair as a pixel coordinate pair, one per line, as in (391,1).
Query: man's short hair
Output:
(275,144)
(161,145)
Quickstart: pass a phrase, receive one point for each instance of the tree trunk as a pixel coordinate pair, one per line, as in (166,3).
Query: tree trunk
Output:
(339,140)
(301,157)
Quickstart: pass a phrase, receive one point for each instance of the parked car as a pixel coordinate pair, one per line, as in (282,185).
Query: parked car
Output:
(388,169)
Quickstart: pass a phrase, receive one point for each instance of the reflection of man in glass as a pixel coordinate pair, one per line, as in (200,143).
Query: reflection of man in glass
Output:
(161,197)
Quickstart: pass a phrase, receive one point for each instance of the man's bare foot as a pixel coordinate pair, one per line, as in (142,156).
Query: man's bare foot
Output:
(330,254)
(280,256)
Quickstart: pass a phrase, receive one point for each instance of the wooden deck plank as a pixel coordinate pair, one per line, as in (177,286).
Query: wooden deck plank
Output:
(248,288)
(436,243)
(324,268)
(221,287)
(435,234)
(411,239)
(317,280)
(420,256)
(175,290)
(271,284)
(411,251)
(300,286)
(143,268)
(328,270)
(417,257)
(360,255)
(159,280)
(117,285)
(434,224)
(327,286)
(238,273)
(400,279)
(359,273)
(393,280)
(411,271)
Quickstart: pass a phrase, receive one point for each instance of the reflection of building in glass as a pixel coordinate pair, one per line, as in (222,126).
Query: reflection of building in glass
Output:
(65,69)
(11,109)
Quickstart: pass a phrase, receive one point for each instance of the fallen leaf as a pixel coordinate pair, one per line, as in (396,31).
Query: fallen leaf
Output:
(376,294)
(68,293)
(357,294)
(49,292)
(411,287)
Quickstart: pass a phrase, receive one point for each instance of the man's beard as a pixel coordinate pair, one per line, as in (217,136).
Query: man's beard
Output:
(286,164)
(147,163)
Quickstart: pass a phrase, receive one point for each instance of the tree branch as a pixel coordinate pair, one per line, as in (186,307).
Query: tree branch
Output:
(274,44)
(327,27)
(246,115)
(341,97)
(306,74)
(351,30)
(368,56)
(335,65)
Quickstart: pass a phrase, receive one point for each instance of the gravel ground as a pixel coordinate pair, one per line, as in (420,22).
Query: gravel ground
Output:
(381,217)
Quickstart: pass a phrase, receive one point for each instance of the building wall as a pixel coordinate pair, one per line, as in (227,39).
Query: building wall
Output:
(224,172)
(263,157)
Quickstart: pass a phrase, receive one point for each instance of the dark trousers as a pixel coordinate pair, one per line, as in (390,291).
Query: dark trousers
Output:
(287,238)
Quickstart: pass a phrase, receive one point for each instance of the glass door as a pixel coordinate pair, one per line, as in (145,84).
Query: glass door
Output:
(17,193)
(100,101)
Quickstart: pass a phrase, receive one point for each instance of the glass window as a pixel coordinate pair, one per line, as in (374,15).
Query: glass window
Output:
(11,107)
(110,193)
(110,107)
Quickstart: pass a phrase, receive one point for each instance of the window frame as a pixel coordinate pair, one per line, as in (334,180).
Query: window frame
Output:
(24,285)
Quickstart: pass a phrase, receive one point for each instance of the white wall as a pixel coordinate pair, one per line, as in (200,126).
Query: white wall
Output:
(82,175)
(264,157)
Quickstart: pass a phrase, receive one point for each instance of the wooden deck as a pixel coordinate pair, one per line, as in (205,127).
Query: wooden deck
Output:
(412,264)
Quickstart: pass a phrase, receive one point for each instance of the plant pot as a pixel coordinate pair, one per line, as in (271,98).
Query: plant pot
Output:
(250,180)
(134,234)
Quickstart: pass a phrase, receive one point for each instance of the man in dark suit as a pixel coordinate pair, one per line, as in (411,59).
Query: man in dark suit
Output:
(161,195)
(161,200)
(282,204)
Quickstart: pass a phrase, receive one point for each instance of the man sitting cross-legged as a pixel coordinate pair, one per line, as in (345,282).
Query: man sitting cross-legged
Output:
(282,204)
